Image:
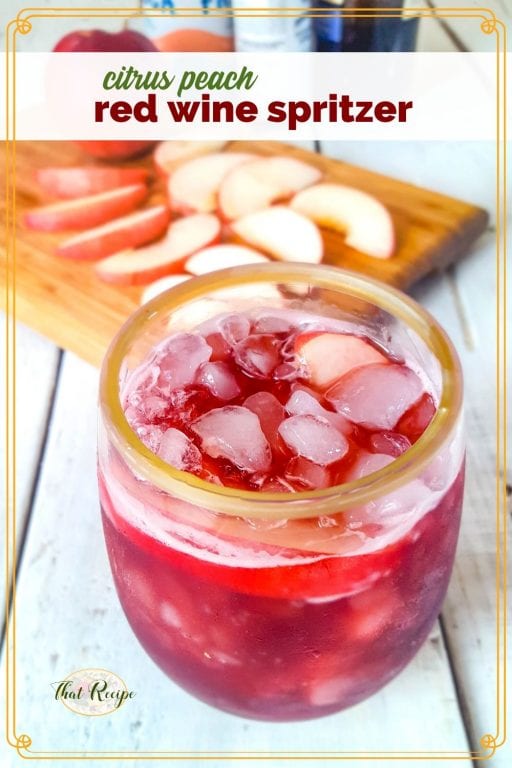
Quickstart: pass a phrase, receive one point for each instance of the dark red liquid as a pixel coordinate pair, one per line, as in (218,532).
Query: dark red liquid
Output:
(222,638)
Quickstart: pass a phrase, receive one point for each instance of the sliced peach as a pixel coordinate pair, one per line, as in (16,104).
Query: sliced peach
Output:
(126,232)
(256,185)
(85,212)
(194,185)
(169,154)
(222,257)
(281,232)
(161,285)
(143,265)
(121,149)
(365,222)
(329,356)
(82,180)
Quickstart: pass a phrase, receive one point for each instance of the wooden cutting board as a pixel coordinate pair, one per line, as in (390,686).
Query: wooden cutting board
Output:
(65,301)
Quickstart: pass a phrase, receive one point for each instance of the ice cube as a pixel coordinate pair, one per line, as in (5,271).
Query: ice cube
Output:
(141,379)
(150,436)
(258,355)
(276,484)
(170,616)
(436,475)
(154,407)
(178,450)
(271,324)
(303,403)
(300,471)
(234,328)
(286,372)
(405,504)
(221,350)
(391,443)
(179,359)
(219,379)
(133,416)
(141,589)
(444,468)
(376,395)
(371,611)
(234,433)
(314,439)
(368,463)
(304,388)
(270,412)
(402,506)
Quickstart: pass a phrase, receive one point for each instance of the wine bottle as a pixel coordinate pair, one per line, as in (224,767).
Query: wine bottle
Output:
(379,33)
(272,32)
(329,26)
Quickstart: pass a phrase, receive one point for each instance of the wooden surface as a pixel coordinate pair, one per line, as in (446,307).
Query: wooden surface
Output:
(66,302)
(69,615)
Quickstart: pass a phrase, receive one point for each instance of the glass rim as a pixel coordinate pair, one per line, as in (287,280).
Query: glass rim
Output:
(298,504)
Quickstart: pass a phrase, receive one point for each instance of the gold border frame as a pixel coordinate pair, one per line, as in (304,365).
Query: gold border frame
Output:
(489,24)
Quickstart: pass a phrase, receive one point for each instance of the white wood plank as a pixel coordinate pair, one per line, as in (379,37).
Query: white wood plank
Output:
(69,616)
(463,170)
(470,608)
(36,366)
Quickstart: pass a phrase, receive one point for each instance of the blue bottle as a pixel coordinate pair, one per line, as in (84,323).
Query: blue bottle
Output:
(329,27)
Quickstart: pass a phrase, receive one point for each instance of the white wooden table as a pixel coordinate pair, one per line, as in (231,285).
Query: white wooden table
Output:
(68,615)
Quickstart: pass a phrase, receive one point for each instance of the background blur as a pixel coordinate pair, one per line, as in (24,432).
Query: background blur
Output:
(433,35)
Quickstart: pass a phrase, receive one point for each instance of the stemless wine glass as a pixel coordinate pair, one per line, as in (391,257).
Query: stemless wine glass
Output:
(283,606)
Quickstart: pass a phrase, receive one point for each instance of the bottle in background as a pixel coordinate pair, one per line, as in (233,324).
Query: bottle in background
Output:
(273,33)
(329,28)
(179,33)
(379,34)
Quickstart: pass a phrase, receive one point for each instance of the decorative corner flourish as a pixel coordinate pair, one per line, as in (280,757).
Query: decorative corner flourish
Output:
(488,741)
(23,26)
(488,27)
(23,742)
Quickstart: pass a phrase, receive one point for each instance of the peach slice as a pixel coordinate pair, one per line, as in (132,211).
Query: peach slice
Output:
(366,223)
(194,185)
(142,266)
(284,234)
(222,257)
(85,212)
(82,180)
(161,285)
(256,185)
(169,154)
(126,232)
(329,356)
